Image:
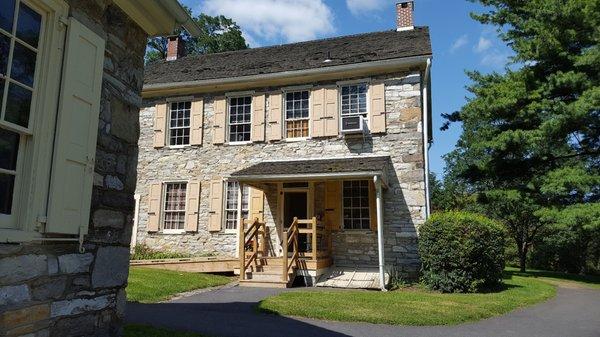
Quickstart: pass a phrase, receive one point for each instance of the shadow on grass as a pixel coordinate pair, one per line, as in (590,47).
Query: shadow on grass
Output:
(588,279)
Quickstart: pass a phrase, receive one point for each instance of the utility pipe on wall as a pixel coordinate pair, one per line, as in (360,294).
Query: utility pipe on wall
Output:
(380,242)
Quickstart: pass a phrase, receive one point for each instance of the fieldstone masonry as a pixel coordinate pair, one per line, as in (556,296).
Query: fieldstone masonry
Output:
(51,289)
(404,200)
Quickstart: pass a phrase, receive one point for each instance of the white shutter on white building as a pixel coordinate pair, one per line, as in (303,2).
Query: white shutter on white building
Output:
(76,131)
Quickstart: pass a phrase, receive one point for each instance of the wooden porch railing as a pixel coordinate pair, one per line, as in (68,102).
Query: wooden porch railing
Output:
(290,237)
(253,241)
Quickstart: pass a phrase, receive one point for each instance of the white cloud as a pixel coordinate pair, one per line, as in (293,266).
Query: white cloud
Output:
(276,20)
(362,7)
(483,44)
(495,58)
(460,42)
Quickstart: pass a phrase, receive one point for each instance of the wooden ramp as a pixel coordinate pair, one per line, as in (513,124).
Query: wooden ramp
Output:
(211,264)
(351,277)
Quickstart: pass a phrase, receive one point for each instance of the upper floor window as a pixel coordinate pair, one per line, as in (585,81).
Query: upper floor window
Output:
(356,204)
(239,118)
(20,28)
(354,99)
(231,204)
(179,123)
(174,206)
(296,114)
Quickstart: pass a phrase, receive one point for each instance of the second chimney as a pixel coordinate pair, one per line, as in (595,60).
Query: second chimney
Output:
(404,15)
(175,47)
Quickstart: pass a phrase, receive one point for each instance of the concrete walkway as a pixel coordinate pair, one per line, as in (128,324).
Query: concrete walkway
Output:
(230,312)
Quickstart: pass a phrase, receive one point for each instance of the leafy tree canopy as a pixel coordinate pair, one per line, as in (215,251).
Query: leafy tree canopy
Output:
(531,136)
(219,34)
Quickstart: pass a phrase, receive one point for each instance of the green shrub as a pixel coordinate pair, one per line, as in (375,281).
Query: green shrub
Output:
(143,252)
(461,252)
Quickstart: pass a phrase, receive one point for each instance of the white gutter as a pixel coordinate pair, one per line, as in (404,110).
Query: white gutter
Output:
(136,216)
(380,241)
(383,64)
(426,108)
(181,16)
(307,176)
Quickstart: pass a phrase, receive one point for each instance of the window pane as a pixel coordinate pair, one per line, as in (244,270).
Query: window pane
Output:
(7,184)
(23,66)
(28,25)
(18,105)
(9,148)
(4,49)
(7,10)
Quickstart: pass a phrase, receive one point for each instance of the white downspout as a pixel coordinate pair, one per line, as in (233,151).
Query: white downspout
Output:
(136,215)
(426,108)
(380,242)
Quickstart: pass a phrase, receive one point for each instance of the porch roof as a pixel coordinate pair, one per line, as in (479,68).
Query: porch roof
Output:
(299,169)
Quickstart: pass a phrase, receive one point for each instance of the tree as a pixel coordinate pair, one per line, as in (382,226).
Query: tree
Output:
(219,34)
(531,135)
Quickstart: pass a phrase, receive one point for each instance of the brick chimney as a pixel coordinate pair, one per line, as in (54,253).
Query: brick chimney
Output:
(175,47)
(404,15)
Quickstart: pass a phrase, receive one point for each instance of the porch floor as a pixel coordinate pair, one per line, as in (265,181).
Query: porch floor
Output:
(351,277)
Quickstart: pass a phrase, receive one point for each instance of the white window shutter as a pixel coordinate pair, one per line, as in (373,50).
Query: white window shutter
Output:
(274,125)
(76,132)
(258,118)
(160,124)
(215,205)
(193,204)
(317,113)
(377,107)
(154,207)
(197,123)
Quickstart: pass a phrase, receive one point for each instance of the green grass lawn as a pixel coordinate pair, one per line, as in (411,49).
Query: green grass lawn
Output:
(137,330)
(563,279)
(153,285)
(411,306)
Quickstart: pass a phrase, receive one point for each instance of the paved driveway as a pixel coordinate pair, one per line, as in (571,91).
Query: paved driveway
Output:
(230,312)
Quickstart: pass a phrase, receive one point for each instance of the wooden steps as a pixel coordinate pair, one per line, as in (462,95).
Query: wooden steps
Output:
(266,272)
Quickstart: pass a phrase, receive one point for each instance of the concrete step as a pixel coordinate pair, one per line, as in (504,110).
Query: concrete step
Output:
(267,277)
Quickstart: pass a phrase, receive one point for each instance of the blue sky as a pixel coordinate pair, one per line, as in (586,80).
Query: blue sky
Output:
(459,43)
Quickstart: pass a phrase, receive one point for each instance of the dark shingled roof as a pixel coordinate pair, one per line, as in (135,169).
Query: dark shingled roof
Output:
(315,166)
(296,56)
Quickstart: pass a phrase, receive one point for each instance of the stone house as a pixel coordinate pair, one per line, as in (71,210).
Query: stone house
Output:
(71,76)
(321,144)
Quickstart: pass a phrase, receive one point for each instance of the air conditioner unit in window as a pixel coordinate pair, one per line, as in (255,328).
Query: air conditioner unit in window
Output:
(354,124)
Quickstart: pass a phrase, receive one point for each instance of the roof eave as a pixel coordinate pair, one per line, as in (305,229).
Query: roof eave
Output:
(159,17)
(388,65)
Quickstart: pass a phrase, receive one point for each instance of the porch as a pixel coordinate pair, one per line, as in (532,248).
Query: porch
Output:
(321,223)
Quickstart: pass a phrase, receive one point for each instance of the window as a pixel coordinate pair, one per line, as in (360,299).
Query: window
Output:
(296,114)
(20,28)
(231,204)
(174,206)
(354,100)
(239,119)
(179,127)
(356,204)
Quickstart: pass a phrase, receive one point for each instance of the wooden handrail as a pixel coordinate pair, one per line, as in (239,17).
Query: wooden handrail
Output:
(290,237)
(247,237)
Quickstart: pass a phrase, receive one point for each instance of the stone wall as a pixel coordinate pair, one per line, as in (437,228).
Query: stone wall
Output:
(404,200)
(51,289)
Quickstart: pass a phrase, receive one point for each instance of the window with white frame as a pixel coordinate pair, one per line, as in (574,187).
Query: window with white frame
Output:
(354,99)
(174,206)
(296,114)
(20,32)
(231,204)
(240,111)
(179,123)
(356,204)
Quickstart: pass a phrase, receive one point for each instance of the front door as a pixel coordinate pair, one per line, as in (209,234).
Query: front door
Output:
(295,204)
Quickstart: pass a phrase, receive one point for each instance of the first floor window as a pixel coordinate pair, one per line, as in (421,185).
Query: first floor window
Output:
(179,123)
(296,114)
(231,205)
(356,204)
(20,27)
(354,100)
(239,119)
(174,206)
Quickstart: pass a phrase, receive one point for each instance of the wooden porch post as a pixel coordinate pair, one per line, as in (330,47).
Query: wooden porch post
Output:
(314,238)
(380,242)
